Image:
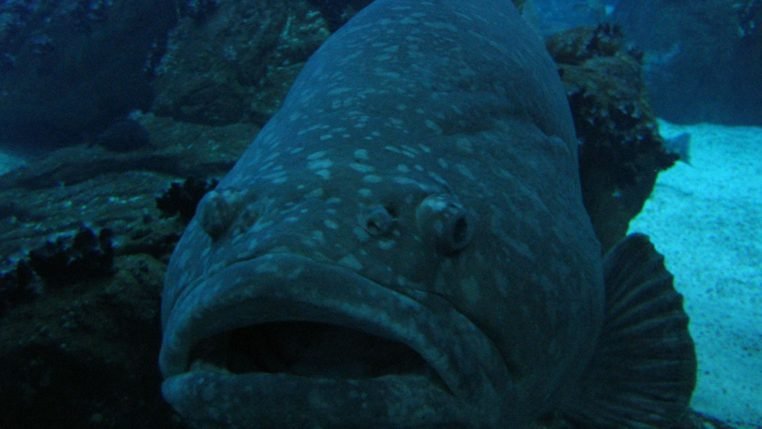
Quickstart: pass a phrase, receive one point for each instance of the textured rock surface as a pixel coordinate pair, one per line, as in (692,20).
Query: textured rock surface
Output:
(69,68)
(621,152)
(239,63)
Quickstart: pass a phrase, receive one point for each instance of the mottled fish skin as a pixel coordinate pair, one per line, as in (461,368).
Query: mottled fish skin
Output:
(419,183)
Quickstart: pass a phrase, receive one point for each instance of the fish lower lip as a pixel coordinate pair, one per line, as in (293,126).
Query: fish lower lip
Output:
(281,401)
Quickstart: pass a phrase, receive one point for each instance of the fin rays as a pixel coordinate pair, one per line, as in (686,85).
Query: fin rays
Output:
(643,372)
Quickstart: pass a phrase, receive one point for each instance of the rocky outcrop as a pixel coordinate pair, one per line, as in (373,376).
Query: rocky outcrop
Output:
(69,68)
(621,152)
(237,65)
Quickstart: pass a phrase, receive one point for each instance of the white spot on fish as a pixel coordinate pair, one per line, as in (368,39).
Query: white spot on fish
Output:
(362,168)
(441,26)
(396,122)
(393,149)
(462,169)
(433,126)
(365,192)
(350,261)
(316,155)
(330,224)
(318,236)
(259,226)
(402,168)
(315,193)
(361,234)
(372,178)
(438,178)
(319,164)
(340,90)
(386,73)
(295,273)
(464,144)
(310,129)
(361,154)
(386,244)
(266,267)
(325,174)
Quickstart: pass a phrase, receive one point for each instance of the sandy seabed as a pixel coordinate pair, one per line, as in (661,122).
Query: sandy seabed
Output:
(706,218)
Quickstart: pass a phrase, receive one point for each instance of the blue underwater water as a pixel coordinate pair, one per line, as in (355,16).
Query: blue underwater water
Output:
(119,119)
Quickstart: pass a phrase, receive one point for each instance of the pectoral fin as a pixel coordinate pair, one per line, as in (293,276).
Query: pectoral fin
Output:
(644,369)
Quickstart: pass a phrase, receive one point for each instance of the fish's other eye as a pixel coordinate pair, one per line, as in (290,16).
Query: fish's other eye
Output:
(217,209)
(444,222)
(378,220)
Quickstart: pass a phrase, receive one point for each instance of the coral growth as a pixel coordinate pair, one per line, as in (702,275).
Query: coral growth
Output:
(64,261)
(621,151)
(182,198)
(70,259)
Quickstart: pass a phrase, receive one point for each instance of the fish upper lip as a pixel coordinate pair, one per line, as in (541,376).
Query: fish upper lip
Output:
(252,292)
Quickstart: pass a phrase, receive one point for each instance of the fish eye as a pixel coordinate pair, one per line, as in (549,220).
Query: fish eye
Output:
(217,210)
(378,220)
(445,223)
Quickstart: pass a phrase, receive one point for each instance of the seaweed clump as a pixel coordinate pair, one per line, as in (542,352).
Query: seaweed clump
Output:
(621,152)
(70,259)
(64,261)
(182,198)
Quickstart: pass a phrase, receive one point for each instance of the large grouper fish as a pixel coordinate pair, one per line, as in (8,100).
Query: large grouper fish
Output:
(404,245)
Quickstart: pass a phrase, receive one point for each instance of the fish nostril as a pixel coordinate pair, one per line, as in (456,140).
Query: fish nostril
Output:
(377,221)
(444,222)
(460,232)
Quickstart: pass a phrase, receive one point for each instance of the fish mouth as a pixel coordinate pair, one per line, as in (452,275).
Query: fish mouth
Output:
(284,341)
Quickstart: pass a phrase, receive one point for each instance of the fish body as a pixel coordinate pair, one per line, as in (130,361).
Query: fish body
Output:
(679,145)
(403,244)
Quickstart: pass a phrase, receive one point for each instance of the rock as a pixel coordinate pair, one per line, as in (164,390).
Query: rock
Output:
(71,67)
(621,151)
(182,198)
(237,65)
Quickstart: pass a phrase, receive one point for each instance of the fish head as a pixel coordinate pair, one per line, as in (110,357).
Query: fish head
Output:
(330,292)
